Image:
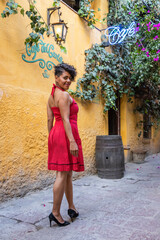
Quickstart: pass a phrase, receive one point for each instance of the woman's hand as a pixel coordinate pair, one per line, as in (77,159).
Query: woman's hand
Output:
(74,148)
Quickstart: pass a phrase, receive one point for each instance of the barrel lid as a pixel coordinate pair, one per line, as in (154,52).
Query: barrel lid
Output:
(108,137)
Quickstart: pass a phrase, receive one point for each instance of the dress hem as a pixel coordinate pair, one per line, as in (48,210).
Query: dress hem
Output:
(66,170)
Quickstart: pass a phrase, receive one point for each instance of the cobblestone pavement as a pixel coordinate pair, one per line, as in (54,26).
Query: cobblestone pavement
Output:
(122,209)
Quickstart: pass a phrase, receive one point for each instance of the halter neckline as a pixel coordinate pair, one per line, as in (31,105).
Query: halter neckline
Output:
(58,87)
(53,90)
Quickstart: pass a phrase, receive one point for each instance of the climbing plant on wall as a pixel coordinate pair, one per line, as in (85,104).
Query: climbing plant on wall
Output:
(144,59)
(105,75)
(88,13)
(132,68)
(38,25)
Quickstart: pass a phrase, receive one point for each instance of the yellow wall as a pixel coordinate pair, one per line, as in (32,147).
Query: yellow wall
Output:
(23,96)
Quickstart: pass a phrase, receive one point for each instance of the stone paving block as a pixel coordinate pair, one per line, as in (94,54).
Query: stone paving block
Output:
(12,230)
(151,225)
(140,211)
(141,235)
(31,216)
(109,218)
(30,212)
(157,216)
(44,223)
(151,194)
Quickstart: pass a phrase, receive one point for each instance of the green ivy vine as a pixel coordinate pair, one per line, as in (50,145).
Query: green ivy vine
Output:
(88,13)
(56,3)
(132,68)
(104,76)
(38,25)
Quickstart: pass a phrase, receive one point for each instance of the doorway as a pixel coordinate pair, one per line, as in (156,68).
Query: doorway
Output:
(114,120)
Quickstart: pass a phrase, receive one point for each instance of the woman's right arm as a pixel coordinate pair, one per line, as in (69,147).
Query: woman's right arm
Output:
(64,107)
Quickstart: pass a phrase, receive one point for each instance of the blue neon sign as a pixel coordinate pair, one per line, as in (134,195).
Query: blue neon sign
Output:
(115,34)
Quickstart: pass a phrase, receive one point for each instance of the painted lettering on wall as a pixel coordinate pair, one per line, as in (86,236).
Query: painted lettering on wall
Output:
(31,51)
(115,35)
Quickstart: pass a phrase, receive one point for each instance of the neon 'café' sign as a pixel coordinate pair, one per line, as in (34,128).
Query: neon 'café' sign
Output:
(116,34)
(45,48)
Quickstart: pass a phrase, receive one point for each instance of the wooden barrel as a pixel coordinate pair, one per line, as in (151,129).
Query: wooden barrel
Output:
(110,156)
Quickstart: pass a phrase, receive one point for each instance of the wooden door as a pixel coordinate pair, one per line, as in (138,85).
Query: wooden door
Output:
(114,119)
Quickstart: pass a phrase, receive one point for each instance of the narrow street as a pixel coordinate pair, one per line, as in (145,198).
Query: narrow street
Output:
(123,209)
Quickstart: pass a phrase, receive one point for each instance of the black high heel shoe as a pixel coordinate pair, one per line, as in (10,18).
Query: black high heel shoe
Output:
(52,218)
(73,214)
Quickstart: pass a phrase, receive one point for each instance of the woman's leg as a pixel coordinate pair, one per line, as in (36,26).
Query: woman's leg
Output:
(58,192)
(69,191)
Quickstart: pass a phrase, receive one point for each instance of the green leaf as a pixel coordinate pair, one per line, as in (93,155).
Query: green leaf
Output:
(31,6)
(28,13)
(63,49)
(22,11)
(3,15)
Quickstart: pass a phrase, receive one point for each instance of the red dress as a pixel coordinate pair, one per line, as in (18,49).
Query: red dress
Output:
(59,156)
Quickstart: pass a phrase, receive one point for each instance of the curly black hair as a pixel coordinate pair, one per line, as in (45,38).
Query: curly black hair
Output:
(60,68)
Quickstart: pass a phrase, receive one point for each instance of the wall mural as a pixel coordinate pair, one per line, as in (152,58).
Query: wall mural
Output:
(31,51)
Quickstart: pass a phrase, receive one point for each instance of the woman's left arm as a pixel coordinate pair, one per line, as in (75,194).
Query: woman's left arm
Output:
(50,118)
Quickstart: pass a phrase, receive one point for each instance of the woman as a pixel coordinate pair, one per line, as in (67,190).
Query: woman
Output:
(64,144)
